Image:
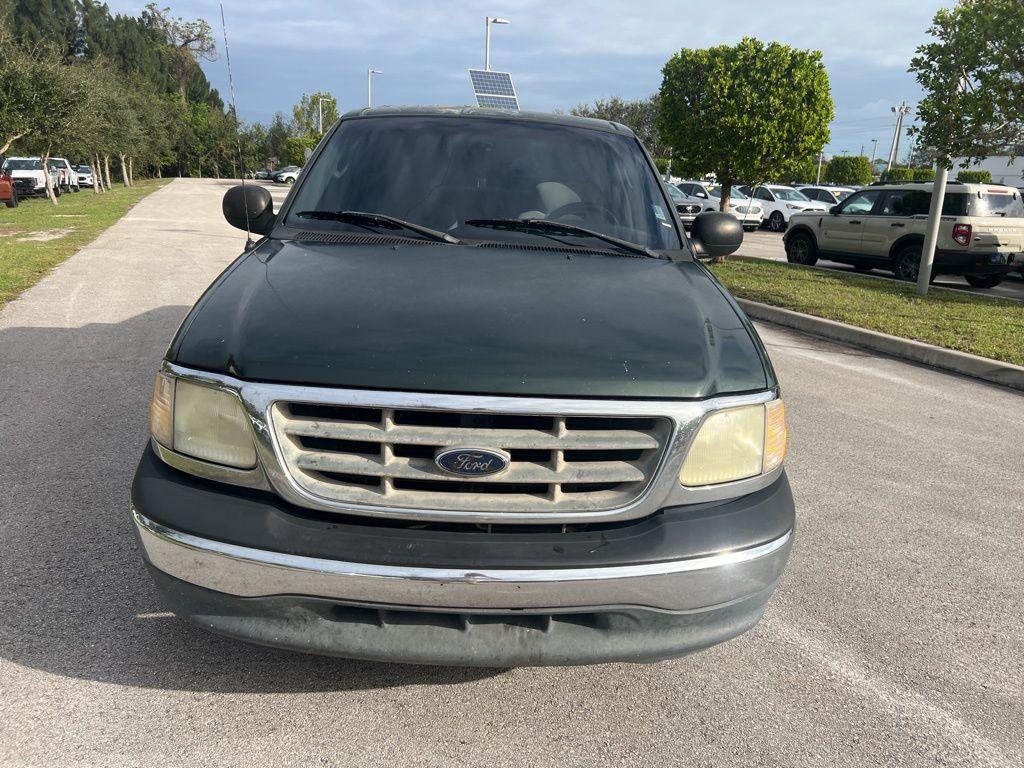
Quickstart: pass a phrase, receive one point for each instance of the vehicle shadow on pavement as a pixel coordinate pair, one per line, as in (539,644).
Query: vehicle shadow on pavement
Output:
(75,597)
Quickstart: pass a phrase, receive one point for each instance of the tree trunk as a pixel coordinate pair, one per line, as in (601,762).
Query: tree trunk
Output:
(131,171)
(11,140)
(726,202)
(124,170)
(46,177)
(106,171)
(95,162)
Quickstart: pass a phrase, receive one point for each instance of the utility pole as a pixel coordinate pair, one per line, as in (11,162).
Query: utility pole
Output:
(901,111)
(487,38)
(861,150)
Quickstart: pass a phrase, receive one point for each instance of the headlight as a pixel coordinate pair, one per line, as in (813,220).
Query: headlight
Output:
(200,421)
(793,207)
(735,444)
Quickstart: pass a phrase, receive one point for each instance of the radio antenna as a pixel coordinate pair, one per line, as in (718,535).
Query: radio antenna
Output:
(238,138)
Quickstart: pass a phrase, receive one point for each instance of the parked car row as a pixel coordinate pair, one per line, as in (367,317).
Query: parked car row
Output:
(709,197)
(287,175)
(26,177)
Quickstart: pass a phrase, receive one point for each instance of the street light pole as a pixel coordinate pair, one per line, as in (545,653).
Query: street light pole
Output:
(320,109)
(874,149)
(821,158)
(369,85)
(899,111)
(487,38)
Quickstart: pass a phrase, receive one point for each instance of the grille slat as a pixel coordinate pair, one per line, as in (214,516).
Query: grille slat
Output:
(425,469)
(589,439)
(384,456)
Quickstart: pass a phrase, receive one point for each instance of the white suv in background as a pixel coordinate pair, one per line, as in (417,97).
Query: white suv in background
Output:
(781,202)
(709,196)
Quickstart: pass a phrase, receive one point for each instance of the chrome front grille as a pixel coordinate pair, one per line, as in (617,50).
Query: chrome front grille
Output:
(385,457)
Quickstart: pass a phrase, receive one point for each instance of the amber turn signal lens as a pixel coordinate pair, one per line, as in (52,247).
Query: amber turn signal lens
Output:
(161,411)
(774,434)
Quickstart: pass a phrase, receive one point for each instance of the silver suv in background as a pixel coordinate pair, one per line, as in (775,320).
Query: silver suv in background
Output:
(981,235)
(750,213)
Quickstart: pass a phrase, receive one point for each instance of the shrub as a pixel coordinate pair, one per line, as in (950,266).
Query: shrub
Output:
(924,174)
(855,171)
(662,164)
(900,174)
(974,177)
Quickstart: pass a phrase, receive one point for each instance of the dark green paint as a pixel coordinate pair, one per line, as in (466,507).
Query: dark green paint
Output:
(473,319)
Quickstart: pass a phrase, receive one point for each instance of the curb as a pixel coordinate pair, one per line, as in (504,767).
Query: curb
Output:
(994,371)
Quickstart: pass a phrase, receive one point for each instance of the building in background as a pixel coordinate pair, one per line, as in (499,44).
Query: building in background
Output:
(1002,169)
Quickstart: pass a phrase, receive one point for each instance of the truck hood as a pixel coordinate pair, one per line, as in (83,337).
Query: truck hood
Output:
(473,320)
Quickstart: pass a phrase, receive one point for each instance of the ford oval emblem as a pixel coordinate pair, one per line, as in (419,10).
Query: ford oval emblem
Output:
(472,462)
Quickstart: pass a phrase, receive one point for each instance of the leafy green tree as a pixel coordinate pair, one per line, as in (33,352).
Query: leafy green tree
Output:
(21,103)
(63,90)
(804,170)
(972,74)
(306,115)
(640,115)
(294,150)
(746,112)
(849,170)
(277,133)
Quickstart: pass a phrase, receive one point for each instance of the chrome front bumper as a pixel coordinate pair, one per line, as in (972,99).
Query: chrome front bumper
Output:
(682,586)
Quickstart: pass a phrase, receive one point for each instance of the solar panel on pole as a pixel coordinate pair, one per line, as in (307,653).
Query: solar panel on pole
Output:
(494,89)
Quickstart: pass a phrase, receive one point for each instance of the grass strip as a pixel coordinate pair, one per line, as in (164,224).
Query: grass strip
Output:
(989,327)
(75,222)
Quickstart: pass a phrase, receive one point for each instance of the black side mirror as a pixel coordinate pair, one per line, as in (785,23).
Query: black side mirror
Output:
(834,210)
(257,201)
(716,234)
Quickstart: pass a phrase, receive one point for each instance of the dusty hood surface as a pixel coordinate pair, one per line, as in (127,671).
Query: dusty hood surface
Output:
(472,319)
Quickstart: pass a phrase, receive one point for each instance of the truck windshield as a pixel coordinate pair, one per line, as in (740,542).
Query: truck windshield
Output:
(441,172)
(29,164)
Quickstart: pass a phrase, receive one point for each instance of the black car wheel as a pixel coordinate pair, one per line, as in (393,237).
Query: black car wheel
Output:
(13,202)
(983,281)
(907,263)
(800,249)
(776,222)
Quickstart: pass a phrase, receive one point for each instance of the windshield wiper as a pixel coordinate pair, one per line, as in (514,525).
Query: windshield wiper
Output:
(544,227)
(360,218)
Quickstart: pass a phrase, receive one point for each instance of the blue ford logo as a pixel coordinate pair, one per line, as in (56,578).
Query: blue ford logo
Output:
(472,462)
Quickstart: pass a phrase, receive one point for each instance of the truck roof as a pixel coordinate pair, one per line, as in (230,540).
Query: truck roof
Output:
(493,114)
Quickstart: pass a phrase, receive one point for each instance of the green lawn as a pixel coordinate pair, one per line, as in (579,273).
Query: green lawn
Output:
(977,324)
(74,222)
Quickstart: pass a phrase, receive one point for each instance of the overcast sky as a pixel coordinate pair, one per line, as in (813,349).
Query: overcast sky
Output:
(560,52)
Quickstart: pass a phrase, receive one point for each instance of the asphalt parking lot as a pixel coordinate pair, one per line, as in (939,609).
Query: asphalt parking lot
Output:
(895,638)
(763,244)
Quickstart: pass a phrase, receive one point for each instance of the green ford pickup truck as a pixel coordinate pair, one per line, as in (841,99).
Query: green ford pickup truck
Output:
(471,399)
